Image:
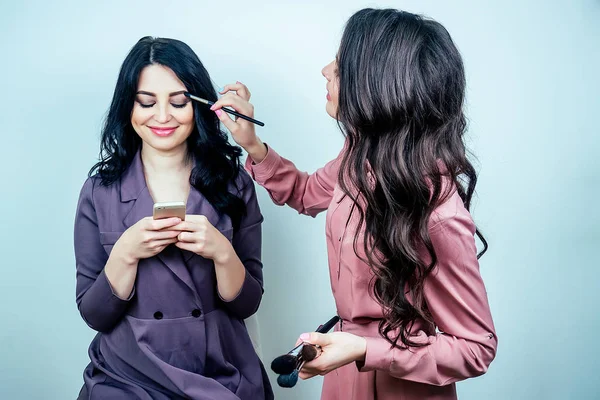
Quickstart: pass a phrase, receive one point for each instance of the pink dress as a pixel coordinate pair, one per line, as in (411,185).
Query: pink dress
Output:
(464,343)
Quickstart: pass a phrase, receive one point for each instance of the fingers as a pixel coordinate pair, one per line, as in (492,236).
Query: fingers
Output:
(241,129)
(161,244)
(198,219)
(230,124)
(158,224)
(188,226)
(186,237)
(305,375)
(192,223)
(236,102)
(150,237)
(189,246)
(238,87)
(315,338)
(311,369)
(161,235)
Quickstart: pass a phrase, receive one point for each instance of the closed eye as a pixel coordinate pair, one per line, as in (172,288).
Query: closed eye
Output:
(153,104)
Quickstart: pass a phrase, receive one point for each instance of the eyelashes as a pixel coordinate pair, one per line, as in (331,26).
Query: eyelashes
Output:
(153,104)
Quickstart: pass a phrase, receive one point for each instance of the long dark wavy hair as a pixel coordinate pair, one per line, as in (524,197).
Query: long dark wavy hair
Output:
(402,87)
(217,162)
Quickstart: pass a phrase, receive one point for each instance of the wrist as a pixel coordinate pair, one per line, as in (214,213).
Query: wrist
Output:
(223,258)
(257,151)
(361,349)
(122,258)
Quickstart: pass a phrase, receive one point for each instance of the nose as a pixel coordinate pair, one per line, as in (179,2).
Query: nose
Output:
(327,71)
(162,115)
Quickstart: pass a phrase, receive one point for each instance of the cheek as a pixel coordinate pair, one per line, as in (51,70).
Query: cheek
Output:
(336,91)
(139,116)
(185,118)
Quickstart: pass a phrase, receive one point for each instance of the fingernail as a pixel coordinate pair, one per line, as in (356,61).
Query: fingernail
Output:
(212,107)
(218,112)
(304,336)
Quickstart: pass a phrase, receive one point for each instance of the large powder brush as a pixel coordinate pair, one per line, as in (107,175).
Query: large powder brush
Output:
(290,380)
(288,366)
(286,363)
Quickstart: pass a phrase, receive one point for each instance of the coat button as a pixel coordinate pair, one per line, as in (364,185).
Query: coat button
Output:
(196,313)
(158,315)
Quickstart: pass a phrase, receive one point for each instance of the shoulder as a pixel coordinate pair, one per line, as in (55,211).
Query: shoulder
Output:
(243,179)
(243,185)
(89,186)
(452,216)
(94,191)
(452,232)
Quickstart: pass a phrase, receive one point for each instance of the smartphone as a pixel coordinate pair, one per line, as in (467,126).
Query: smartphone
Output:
(169,209)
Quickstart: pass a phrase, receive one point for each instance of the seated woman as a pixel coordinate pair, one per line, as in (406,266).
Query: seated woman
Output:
(168,296)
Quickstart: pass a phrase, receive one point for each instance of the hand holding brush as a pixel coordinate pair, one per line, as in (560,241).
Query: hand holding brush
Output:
(286,363)
(289,365)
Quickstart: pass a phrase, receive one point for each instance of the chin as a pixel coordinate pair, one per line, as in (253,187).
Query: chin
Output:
(331,111)
(166,144)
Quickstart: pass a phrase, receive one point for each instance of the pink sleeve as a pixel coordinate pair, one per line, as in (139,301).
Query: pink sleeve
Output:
(457,300)
(308,194)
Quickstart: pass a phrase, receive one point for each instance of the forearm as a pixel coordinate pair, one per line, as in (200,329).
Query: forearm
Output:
(446,359)
(103,304)
(230,273)
(308,194)
(257,151)
(121,272)
(240,291)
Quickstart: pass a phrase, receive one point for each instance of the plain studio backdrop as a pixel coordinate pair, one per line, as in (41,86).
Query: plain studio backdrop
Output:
(533,104)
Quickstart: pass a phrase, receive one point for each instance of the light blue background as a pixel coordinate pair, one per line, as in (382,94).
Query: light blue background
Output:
(533,106)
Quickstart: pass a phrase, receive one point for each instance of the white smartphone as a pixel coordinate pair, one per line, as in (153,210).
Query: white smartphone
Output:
(169,209)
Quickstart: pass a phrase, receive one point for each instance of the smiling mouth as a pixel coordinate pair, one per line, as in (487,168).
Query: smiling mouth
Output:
(160,131)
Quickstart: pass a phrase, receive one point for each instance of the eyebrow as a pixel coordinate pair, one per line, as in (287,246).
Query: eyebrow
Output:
(154,94)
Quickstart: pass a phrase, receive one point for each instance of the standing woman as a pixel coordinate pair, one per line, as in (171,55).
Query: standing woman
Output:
(401,242)
(168,297)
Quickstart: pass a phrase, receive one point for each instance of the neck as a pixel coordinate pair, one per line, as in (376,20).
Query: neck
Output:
(158,162)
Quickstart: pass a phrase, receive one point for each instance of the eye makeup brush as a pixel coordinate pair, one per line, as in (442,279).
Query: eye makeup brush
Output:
(227,110)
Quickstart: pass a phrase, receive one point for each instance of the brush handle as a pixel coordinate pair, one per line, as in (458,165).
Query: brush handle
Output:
(326,327)
(237,114)
(227,110)
(296,350)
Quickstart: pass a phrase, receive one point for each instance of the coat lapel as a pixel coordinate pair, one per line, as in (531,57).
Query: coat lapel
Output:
(198,205)
(135,193)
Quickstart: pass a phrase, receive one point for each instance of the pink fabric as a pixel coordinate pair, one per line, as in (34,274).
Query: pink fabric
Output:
(464,343)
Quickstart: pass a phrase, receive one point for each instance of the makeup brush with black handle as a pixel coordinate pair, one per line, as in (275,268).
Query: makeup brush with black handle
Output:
(285,364)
